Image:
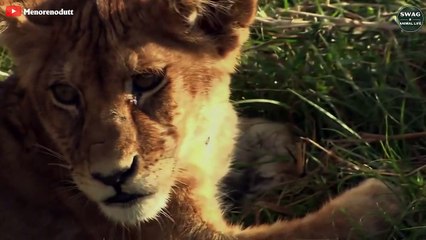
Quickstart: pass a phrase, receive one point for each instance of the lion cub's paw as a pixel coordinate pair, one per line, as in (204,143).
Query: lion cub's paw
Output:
(367,210)
(364,212)
(372,194)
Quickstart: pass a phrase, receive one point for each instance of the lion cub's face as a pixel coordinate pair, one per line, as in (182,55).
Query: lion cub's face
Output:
(114,117)
(123,103)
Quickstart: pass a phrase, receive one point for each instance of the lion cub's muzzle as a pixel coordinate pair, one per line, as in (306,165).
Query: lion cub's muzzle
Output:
(128,182)
(117,179)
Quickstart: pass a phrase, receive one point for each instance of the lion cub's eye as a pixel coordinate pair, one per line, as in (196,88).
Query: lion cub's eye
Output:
(146,81)
(65,94)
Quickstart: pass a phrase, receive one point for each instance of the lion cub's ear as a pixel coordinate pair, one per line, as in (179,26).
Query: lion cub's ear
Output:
(224,21)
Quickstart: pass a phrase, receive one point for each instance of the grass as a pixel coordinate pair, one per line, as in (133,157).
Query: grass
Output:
(353,86)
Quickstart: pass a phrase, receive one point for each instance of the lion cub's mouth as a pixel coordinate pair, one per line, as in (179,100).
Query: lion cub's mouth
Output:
(125,199)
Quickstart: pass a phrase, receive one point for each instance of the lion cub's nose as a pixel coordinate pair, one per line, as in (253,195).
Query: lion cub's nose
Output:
(119,177)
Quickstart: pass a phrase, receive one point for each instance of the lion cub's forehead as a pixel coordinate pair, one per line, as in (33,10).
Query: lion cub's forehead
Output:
(126,61)
(99,43)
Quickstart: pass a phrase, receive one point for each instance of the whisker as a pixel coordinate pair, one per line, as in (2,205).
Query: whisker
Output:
(67,181)
(65,166)
(74,187)
(47,150)
(139,231)
(165,213)
(54,155)
(123,234)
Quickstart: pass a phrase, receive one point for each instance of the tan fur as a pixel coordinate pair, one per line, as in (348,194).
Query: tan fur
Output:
(183,134)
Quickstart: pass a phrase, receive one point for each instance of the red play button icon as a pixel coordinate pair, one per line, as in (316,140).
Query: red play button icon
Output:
(13,11)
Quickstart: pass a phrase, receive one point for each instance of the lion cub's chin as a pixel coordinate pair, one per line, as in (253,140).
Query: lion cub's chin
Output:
(141,210)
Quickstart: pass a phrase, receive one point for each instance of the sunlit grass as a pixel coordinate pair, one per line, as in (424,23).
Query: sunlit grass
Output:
(353,84)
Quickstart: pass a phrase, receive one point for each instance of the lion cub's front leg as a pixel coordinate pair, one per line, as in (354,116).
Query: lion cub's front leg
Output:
(362,212)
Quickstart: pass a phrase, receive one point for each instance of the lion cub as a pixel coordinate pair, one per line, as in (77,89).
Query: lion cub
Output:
(118,125)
